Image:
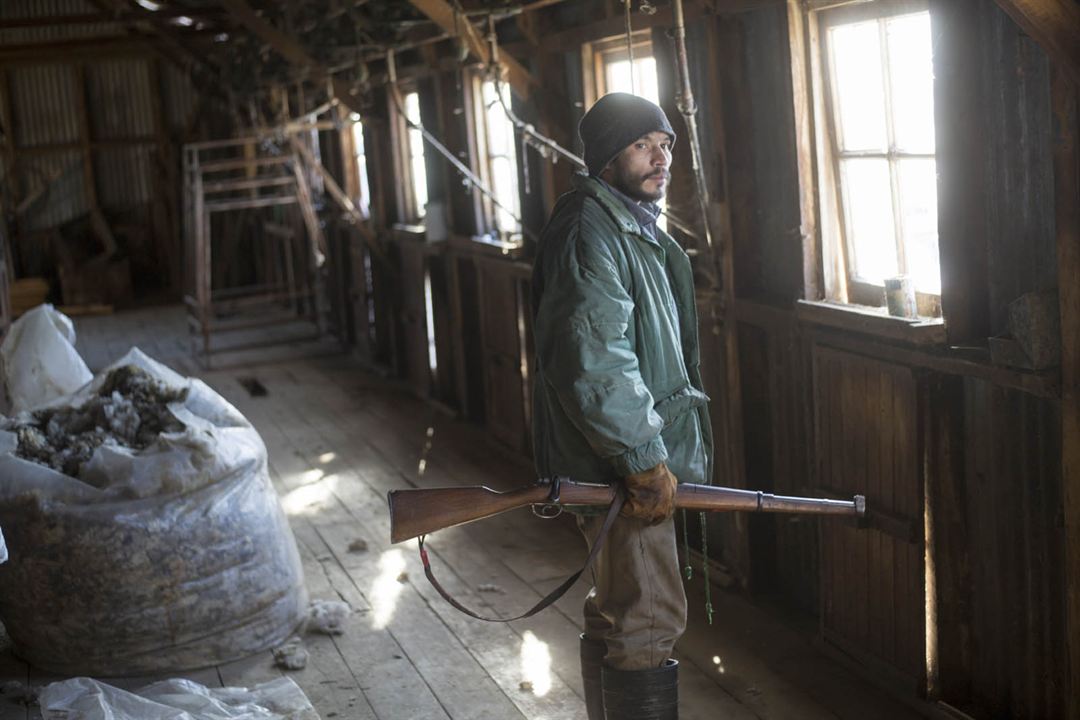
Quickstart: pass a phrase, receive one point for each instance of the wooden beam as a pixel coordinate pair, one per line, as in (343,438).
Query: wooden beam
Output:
(731,7)
(66,51)
(1055,25)
(290,49)
(572,39)
(455,24)
(962,185)
(85,139)
(1066,119)
(160,16)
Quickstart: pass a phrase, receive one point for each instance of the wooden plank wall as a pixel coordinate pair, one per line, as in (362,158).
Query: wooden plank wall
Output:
(1015,545)
(868,428)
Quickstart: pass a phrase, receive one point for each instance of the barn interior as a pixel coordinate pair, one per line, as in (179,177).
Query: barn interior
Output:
(327,213)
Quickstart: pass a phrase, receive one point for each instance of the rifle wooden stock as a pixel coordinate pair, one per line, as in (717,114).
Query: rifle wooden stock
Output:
(422,511)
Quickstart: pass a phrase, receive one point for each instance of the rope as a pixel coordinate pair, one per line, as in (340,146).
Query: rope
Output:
(705,567)
(688,569)
(629,45)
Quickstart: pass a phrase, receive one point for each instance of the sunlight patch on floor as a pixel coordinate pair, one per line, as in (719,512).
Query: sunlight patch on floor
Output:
(536,664)
(386,588)
(310,496)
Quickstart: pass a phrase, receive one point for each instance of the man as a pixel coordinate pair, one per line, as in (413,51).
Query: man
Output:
(618,397)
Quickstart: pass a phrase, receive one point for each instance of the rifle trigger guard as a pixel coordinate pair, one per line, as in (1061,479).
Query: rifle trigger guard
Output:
(552,508)
(546,511)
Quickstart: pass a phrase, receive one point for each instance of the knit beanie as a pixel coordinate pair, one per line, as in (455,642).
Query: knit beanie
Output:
(615,121)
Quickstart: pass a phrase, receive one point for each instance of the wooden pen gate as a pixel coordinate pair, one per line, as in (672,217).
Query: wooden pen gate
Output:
(261,182)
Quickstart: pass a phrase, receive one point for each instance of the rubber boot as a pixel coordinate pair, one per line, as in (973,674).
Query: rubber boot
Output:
(651,694)
(592,657)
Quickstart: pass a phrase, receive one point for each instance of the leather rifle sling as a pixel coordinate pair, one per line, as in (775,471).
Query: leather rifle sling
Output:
(612,513)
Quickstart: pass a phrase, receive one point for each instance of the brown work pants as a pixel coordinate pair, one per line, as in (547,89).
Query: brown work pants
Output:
(637,604)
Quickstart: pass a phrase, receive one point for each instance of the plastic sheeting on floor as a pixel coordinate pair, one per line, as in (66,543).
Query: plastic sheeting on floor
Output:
(178,699)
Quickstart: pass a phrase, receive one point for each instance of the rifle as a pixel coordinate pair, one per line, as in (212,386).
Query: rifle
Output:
(421,511)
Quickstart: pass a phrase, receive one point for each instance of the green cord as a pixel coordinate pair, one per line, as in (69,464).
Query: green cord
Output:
(687,570)
(705,569)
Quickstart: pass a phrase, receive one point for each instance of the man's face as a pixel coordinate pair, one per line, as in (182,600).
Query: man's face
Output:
(641,169)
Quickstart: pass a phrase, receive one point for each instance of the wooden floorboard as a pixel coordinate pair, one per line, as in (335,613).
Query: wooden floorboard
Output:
(338,438)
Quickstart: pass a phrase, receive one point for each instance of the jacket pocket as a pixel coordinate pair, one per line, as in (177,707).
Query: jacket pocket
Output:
(682,400)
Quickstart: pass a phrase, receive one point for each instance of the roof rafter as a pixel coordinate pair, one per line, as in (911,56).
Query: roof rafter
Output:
(457,24)
(290,49)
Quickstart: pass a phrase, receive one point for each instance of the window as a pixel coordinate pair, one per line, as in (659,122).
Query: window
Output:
(877,172)
(417,189)
(499,154)
(610,62)
(361,165)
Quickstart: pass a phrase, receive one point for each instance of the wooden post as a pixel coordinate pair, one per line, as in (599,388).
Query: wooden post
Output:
(1067,217)
(724,246)
(317,249)
(166,185)
(802,95)
(84,136)
(9,136)
(961,143)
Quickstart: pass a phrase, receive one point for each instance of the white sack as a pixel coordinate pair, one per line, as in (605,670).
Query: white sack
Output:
(39,358)
(182,558)
(82,698)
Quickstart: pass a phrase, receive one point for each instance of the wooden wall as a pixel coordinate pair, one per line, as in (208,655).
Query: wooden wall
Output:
(956,590)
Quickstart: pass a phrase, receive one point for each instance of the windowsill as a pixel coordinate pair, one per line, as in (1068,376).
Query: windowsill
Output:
(487,246)
(409,230)
(920,331)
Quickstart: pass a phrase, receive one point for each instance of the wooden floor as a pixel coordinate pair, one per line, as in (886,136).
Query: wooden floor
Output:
(339,437)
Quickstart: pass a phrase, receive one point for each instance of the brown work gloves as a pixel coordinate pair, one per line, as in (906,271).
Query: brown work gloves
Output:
(650,495)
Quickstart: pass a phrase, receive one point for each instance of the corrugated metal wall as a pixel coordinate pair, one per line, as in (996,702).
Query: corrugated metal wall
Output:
(121,107)
(93,131)
(20,9)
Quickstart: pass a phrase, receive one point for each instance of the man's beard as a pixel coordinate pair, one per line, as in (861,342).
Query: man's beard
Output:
(634,186)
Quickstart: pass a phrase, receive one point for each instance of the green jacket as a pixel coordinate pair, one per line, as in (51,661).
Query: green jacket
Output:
(617,382)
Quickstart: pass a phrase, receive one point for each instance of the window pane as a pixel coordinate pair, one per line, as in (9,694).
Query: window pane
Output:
(412,107)
(502,156)
(361,164)
(419,172)
(416,154)
(505,179)
(912,77)
(869,213)
(860,92)
(617,77)
(645,79)
(918,212)
(500,133)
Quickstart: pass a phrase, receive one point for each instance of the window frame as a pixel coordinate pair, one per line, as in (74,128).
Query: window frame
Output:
(841,281)
(408,208)
(488,220)
(596,55)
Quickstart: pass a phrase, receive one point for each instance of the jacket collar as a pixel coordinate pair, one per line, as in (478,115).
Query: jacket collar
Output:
(614,206)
